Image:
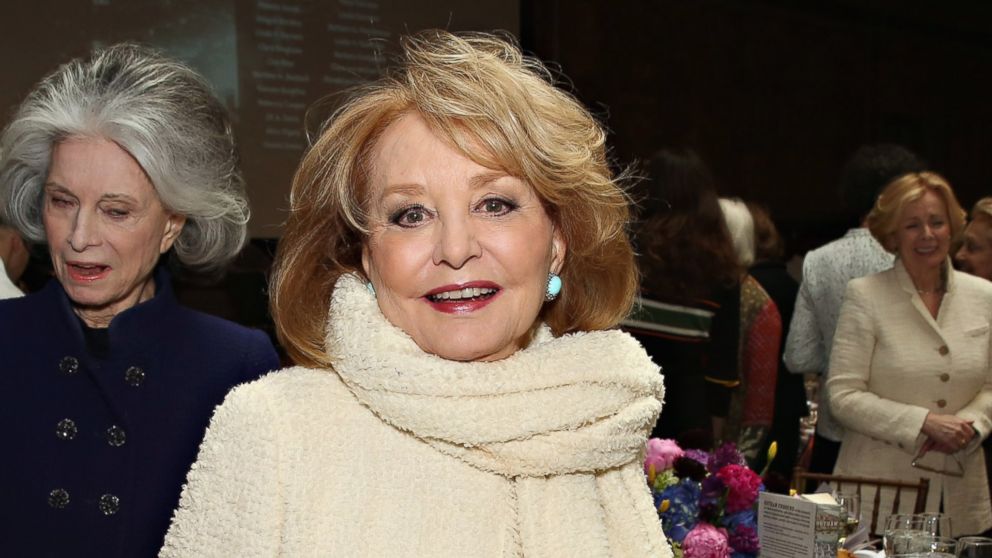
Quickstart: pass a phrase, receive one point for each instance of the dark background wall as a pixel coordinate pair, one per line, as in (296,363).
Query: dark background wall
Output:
(776,95)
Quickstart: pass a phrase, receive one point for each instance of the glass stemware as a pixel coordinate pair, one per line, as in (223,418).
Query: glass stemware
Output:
(901,530)
(850,505)
(937,524)
(973,547)
(924,546)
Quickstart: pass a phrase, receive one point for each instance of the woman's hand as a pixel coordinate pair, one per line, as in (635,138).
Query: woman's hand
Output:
(947,433)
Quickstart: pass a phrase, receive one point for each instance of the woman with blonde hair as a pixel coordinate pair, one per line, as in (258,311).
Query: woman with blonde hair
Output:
(910,377)
(453,261)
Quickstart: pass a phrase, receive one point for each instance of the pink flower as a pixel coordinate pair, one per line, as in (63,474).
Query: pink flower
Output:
(742,486)
(706,541)
(662,454)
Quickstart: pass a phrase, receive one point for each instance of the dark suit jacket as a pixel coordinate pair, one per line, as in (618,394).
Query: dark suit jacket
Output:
(95,451)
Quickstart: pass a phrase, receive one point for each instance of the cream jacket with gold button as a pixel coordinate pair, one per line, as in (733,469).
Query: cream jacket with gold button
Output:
(892,364)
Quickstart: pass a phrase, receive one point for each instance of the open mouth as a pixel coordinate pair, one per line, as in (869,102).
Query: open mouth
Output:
(86,271)
(462,295)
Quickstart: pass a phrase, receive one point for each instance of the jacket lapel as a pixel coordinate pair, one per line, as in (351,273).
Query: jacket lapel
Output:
(906,284)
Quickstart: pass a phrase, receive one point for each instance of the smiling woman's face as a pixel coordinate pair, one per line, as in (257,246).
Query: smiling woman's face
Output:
(459,254)
(923,236)
(106,227)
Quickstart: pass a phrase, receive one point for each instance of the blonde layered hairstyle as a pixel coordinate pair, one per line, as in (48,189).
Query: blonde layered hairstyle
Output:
(982,211)
(883,220)
(501,110)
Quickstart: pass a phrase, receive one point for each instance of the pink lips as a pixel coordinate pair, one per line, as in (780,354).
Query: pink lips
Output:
(84,272)
(465,305)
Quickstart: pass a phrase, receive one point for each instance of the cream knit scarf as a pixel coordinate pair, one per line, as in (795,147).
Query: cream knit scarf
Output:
(565,420)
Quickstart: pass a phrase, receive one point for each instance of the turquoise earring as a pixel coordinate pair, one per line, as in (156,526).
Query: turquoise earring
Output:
(554,287)
(370,287)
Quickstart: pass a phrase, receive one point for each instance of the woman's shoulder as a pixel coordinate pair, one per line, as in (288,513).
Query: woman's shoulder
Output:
(973,285)
(290,406)
(882,280)
(223,340)
(215,328)
(291,388)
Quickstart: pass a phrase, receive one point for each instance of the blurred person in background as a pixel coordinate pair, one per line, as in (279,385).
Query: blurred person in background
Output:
(975,257)
(790,394)
(117,162)
(688,313)
(910,375)
(14,257)
(975,254)
(826,272)
(752,405)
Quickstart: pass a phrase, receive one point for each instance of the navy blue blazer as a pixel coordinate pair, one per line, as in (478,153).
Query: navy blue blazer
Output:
(95,452)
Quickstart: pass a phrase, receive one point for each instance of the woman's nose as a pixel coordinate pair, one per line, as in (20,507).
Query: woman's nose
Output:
(455,243)
(84,233)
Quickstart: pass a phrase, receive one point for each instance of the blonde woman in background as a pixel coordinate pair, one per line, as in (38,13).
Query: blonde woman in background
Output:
(909,371)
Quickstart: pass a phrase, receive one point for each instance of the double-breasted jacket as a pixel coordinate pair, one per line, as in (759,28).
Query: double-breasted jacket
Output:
(95,449)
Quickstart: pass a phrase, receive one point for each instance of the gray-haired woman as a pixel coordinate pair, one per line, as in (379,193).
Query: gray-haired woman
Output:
(106,383)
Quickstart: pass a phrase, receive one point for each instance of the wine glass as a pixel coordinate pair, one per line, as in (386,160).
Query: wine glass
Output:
(937,524)
(901,529)
(973,547)
(850,505)
(924,546)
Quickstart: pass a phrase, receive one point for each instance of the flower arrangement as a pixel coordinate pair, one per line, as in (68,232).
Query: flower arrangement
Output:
(707,502)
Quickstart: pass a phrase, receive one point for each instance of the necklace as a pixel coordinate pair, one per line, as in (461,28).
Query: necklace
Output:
(938,290)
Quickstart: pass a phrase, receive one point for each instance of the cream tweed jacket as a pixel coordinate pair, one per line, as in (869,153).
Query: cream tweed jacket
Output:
(399,453)
(892,364)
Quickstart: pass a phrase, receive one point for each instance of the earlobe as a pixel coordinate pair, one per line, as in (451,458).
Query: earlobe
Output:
(365,261)
(558,249)
(173,226)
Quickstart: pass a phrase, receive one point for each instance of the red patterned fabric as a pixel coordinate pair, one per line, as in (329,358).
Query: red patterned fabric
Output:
(760,365)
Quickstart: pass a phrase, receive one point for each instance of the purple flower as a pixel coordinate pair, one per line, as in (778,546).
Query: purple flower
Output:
(745,539)
(711,497)
(724,455)
(698,455)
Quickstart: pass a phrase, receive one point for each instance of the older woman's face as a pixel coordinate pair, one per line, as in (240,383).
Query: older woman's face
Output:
(458,254)
(975,254)
(923,233)
(105,225)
